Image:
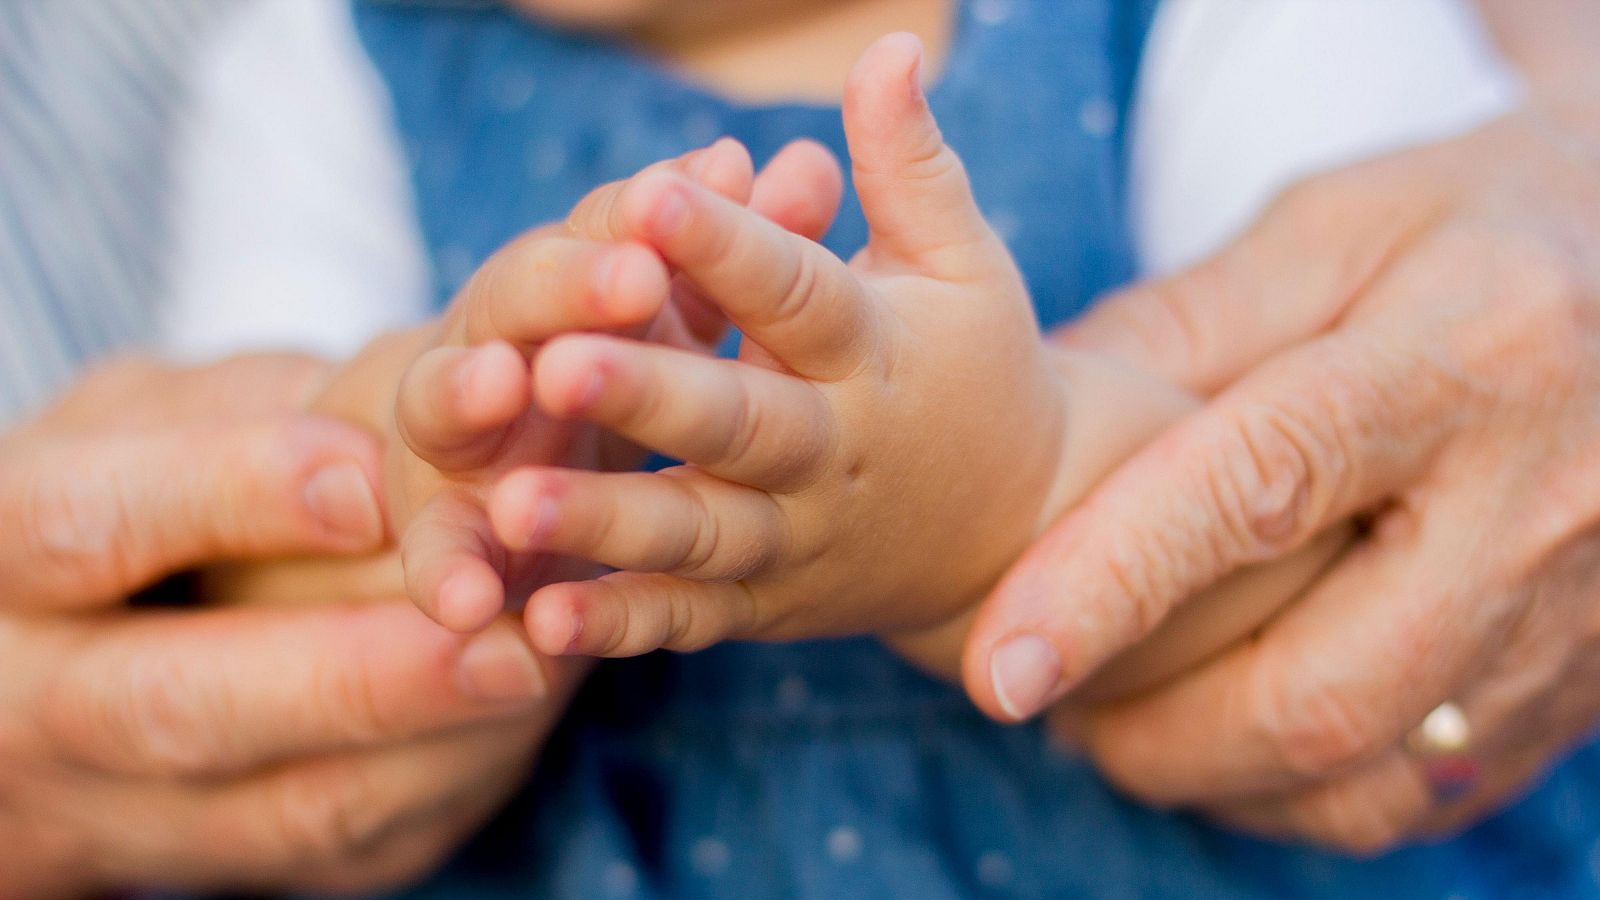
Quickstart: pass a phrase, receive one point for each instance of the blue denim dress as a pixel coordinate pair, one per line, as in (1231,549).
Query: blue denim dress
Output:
(831,769)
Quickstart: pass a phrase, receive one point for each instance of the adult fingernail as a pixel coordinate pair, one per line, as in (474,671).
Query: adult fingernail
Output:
(343,499)
(1026,671)
(498,666)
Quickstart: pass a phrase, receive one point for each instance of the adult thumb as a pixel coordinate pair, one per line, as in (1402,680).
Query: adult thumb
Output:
(91,516)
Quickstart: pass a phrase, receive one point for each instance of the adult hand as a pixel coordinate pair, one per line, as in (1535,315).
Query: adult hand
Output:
(1415,340)
(319,748)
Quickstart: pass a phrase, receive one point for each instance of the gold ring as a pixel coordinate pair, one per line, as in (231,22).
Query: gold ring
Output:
(1443,744)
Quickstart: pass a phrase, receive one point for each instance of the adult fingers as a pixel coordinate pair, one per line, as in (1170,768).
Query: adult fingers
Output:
(133,391)
(219,692)
(323,819)
(1289,277)
(1303,442)
(90,518)
(1365,813)
(414,851)
(1520,727)
(746,424)
(326,820)
(1334,683)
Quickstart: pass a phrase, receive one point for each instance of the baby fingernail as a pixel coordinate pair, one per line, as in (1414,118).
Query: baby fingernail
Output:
(464,603)
(605,275)
(589,394)
(1026,671)
(498,666)
(698,162)
(530,529)
(341,497)
(544,520)
(467,373)
(672,212)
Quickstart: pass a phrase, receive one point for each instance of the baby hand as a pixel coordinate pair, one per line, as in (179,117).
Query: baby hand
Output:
(463,413)
(890,440)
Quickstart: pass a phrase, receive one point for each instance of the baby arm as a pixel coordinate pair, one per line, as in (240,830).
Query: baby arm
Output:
(895,433)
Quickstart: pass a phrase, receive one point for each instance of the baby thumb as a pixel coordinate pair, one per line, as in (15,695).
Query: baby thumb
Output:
(913,188)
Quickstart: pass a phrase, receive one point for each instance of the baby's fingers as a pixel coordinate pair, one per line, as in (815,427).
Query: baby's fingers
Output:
(680,521)
(788,294)
(541,285)
(913,188)
(455,404)
(724,168)
(628,614)
(744,423)
(800,189)
(448,553)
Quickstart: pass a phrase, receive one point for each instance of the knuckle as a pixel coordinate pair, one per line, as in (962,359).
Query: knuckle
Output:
(681,628)
(742,430)
(251,484)
(1313,731)
(704,548)
(1273,479)
(1539,305)
(1163,316)
(77,526)
(158,718)
(325,817)
(1313,205)
(1547,309)
(1144,572)
(352,699)
(624,633)
(800,287)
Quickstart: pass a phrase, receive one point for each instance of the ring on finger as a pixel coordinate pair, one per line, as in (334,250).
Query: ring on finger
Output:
(1442,744)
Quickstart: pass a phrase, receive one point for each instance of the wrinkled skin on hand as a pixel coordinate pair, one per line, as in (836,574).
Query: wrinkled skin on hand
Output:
(1415,340)
(262,748)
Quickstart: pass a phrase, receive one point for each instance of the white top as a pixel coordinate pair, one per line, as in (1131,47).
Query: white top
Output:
(295,226)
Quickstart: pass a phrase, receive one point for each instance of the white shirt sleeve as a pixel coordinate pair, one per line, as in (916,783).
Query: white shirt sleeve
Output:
(294,217)
(1240,98)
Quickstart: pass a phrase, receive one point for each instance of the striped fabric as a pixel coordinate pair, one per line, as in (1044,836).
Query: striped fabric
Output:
(90,91)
